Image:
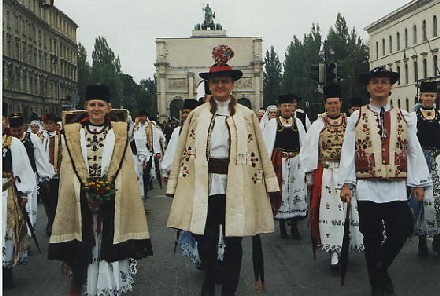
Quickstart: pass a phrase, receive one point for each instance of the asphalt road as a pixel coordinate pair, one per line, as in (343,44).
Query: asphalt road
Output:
(289,267)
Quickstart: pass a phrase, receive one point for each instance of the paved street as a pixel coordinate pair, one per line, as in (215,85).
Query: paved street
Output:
(289,267)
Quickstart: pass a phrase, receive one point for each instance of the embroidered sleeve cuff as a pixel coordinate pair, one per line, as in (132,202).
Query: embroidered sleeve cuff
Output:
(272,184)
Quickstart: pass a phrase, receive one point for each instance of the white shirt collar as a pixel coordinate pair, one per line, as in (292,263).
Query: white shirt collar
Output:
(377,108)
(222,107)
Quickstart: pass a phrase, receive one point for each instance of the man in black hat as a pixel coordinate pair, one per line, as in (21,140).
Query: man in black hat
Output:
(299,113)
(428,132)
(320,160)
(380,157)
(167,161)
(53,143)
(40,164)
(353,105)
(284,136)
(148,147)
(18,181)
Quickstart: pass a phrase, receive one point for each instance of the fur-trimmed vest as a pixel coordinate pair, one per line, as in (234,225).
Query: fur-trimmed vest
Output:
(379,157)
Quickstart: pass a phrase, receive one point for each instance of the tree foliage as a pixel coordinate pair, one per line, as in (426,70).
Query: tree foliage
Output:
(271,77)
(106,70)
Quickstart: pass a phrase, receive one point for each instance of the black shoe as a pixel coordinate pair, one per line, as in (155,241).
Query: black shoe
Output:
(295,232)
(283,230)
(207,289)
(422,247)
(436,244)
(387,284)
(376,291)
(8,280)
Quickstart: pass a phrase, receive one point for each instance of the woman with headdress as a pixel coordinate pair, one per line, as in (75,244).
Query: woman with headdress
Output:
(100,228)
(220,175)
(271,112)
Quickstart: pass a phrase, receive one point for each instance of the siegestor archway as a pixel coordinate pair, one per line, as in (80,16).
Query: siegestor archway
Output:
(175,106)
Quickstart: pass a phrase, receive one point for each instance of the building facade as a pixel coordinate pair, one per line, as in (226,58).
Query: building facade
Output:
(407,41)
(39,58)
(180,60)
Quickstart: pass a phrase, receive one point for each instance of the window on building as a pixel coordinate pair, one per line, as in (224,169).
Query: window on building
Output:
(406,74)
(406,38)
(425,36)
(398,103)
(414,34)
(434,26)
(416,71)
(391,103)
(425,69)
(391,43)
(383,46)
(435,66)
(398,72)
(407,104)
(398,41)
(377,49)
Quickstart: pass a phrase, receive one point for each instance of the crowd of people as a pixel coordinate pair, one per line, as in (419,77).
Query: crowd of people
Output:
(365,181)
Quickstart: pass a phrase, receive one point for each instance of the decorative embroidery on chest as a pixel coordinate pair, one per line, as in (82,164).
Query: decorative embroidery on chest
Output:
(95,147)
(331,138)
(188,154)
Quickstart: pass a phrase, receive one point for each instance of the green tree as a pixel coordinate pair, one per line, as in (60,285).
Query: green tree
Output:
(149,102)
(300,55)
(106,70)
(84,71)
(350,52)
(271,77)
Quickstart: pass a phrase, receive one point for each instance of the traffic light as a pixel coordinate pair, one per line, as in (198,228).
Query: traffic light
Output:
(333,73)
(330,73)
(317,73)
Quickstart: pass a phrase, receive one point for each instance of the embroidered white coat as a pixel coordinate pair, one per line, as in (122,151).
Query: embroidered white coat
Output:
(250,176)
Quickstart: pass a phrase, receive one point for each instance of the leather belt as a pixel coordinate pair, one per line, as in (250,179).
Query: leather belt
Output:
(218,165)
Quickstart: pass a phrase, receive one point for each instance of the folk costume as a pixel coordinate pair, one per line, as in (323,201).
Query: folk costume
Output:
(220,176)
(147,144)
(427,212)
(185,239)
(53,143)
(18,182)
(100,240)
(380,156)
(320,160)
(40,164)
(283,138)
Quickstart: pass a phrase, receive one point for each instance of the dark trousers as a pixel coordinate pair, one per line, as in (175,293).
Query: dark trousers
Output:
(398,222)
(146,177)
(49,195)
(207,246)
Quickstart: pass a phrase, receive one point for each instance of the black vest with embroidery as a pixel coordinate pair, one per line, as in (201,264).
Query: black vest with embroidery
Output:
(27,142)
(428,129)
(287,138)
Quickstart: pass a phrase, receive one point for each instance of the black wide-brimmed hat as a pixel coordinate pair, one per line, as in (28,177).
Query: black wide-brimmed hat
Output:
(142,112)
(98,92)
(379,72)
(355,102)
(428,86)
(289,98)
(190,104)
(50,117)
(16,120)
(332,91)
(221,55)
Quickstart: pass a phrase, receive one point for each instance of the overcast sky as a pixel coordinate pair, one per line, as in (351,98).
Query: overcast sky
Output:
(132,26)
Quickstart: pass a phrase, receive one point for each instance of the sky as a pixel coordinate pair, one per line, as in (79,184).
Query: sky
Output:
(132,26)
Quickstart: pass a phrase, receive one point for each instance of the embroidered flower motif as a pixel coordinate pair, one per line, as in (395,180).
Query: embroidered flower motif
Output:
(250,138)
(192,134)
(257,178)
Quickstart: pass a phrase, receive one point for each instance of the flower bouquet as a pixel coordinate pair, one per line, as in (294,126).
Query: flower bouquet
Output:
(99,191)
